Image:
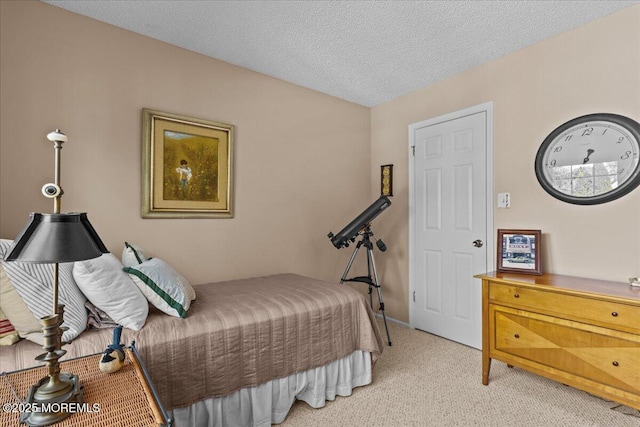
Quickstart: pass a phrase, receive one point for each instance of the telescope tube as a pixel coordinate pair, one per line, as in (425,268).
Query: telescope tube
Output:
(353,228)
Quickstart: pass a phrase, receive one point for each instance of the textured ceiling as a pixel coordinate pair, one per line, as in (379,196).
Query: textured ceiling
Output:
(367,52)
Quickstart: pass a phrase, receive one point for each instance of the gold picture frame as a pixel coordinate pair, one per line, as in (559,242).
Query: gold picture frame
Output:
(187,167)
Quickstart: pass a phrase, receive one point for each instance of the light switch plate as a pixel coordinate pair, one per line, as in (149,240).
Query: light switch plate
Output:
(504,200)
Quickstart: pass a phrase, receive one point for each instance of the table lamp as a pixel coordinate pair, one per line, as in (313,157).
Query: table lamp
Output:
(54,238)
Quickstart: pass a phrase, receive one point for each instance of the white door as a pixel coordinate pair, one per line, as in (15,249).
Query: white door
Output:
(450,223)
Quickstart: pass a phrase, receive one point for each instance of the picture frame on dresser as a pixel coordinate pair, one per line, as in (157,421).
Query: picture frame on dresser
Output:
(519,251)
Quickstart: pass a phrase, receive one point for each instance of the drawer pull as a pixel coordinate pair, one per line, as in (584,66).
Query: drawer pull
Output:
(516,295)
(517,335)
(615,363)
(614,314)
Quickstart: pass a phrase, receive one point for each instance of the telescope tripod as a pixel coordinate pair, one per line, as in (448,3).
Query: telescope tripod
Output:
(371,267)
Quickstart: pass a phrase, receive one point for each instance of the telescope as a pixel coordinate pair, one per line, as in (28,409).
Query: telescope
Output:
(361,226)
(350,232)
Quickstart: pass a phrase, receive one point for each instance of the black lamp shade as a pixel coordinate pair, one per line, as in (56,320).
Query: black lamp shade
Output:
(56,238)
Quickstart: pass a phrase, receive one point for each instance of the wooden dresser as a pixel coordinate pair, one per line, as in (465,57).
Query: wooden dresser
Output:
(581,332)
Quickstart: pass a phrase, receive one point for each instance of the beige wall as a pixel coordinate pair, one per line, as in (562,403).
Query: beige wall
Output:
(595,68)
(301,161)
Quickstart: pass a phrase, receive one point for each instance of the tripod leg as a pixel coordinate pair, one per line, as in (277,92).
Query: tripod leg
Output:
(371,282)
(353,256)
(372,264)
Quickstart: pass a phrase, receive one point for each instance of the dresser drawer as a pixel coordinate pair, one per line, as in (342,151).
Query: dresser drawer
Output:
(607,357)
(611,314)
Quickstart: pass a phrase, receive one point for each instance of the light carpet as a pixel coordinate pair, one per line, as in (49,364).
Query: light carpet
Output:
(425,380)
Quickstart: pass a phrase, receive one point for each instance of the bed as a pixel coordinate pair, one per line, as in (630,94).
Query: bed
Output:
(246,350)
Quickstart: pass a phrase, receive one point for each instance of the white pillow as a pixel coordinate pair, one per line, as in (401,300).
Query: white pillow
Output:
(34,284)
(133,255)
(164,287)
(17,311)
(111,290)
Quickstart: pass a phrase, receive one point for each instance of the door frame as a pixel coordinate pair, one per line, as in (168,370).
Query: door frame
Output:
(487,108)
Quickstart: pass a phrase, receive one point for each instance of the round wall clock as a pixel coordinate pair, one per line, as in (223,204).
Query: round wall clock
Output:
(591,159)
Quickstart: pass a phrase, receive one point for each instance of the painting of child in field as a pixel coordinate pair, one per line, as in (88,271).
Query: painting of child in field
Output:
(190,167)
(185,174)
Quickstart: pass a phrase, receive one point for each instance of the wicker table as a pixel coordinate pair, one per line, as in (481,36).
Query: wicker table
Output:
(124,397)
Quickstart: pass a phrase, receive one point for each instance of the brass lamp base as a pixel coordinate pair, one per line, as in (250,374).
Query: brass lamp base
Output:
(52,400)
(59,394)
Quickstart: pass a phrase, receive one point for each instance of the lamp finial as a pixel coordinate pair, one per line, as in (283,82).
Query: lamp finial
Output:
(57,136)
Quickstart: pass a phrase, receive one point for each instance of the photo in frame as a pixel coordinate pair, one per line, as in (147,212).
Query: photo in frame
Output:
(187,167)
(519,251)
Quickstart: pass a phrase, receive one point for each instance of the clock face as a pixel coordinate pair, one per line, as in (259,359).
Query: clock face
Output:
(591,159)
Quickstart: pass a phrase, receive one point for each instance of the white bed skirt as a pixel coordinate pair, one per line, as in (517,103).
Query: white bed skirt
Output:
(269,403)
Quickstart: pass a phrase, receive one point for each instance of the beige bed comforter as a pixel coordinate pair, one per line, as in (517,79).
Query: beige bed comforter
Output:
(237,334)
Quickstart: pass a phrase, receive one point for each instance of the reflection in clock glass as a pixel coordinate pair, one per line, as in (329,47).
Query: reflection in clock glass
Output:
(585,180)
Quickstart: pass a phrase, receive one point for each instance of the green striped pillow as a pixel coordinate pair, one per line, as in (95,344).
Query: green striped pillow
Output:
(133,255)
(164,288)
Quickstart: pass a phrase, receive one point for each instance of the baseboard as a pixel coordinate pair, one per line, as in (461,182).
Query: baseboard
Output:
(391,319)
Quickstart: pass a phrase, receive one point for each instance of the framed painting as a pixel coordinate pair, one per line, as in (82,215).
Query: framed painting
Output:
(386,180)
(519,251)
(187,167)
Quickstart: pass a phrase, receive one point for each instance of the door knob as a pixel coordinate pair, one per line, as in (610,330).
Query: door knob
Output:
(478,243)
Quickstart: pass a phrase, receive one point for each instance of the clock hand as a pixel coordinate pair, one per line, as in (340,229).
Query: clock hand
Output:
(589,153)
